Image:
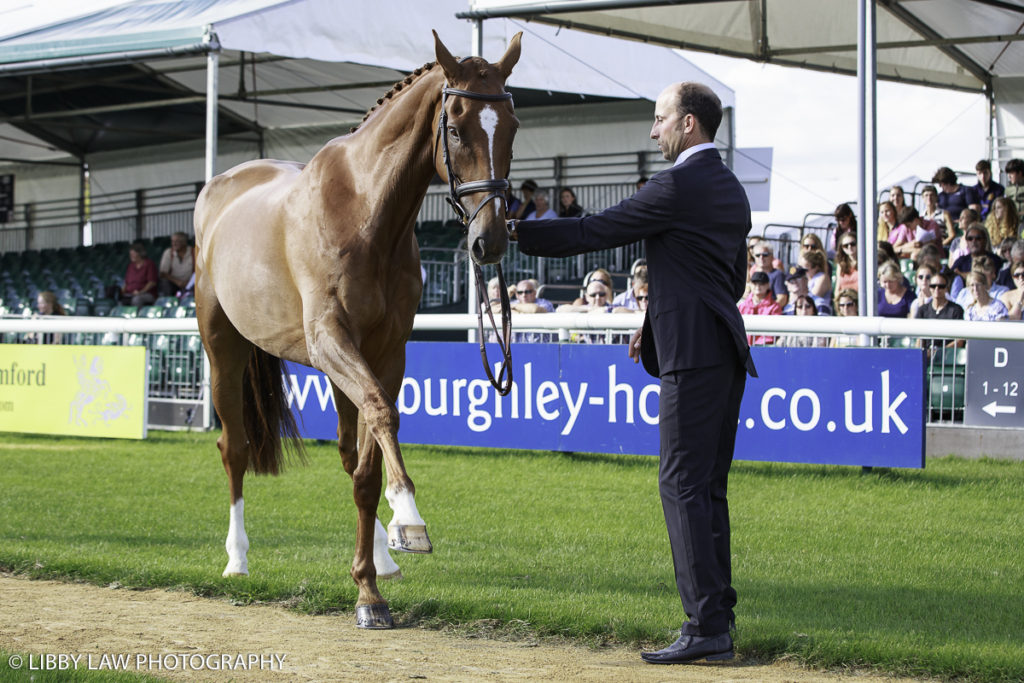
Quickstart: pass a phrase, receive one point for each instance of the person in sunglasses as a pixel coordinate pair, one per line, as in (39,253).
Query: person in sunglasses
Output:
(978,244)
(939,308)
(527,301)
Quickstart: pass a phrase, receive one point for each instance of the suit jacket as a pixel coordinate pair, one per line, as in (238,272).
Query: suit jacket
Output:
(694,219)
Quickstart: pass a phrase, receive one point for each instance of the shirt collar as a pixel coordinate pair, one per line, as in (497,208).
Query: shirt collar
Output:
(690,151)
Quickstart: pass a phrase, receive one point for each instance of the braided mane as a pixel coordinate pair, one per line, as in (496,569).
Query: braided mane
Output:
(394,89)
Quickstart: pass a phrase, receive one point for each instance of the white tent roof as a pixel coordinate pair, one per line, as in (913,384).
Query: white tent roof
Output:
(960,44)
(339,55)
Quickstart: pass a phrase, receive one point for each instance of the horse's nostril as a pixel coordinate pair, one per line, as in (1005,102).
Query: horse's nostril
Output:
(479,249)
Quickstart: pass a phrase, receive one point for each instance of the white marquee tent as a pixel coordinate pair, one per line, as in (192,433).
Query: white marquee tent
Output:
(123,84)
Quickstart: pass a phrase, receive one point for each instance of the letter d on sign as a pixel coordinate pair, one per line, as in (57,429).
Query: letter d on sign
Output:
(1002,357)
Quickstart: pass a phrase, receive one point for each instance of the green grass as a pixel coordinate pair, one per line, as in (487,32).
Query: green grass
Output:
(916,572)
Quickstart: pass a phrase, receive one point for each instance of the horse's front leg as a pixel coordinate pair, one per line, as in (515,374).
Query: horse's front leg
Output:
(332,350)
(348,415)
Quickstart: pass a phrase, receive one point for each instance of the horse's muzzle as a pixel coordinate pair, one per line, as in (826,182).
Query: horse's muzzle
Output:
(486,251)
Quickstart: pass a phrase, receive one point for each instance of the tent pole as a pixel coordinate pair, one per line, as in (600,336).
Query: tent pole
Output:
(867,157)
(212,59)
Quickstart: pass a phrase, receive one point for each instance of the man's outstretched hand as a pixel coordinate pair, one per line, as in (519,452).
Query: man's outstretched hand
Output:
(634,346)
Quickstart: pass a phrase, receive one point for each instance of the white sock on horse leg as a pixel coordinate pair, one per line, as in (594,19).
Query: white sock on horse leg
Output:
(404,507)
(382,560)
(237,544)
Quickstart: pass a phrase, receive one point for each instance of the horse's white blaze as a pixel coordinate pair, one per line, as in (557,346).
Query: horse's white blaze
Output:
(382,560)
(404,507)
(237,544)
(489,122)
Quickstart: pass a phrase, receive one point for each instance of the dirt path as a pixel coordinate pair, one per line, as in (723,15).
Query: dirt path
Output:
(47,617)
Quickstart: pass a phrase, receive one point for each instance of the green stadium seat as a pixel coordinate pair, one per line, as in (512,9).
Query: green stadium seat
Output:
(167,302)
(103,307)
(151,312)
(946,393)
(124,312)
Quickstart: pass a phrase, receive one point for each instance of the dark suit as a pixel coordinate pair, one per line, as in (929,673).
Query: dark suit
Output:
(694,219)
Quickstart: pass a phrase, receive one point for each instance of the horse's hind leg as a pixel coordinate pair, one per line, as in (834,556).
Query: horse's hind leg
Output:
(228,352)
(386,567)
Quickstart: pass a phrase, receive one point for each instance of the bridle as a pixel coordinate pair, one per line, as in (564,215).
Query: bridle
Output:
(496,188)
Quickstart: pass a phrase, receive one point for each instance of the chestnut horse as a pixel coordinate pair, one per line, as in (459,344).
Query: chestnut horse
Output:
(318,264)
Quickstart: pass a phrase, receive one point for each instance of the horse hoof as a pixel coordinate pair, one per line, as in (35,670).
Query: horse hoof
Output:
(409,538)
(375,616)
(235,569)
(393,576)
(228,574)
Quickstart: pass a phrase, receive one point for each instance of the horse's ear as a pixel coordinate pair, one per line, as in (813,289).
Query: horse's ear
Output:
(444,58)
(511,56)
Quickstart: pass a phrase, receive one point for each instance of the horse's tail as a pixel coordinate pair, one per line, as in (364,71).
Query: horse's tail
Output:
(266,415)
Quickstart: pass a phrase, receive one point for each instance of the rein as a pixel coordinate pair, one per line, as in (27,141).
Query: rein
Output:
(496,188)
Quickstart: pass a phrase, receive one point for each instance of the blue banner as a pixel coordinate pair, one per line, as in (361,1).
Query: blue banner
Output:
(826,406)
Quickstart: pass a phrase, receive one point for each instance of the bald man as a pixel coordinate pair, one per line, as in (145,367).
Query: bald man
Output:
(694,219)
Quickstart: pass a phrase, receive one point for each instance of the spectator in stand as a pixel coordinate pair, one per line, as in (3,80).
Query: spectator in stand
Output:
(812,241)
(930,211)
(764,260)
(639,290)
(986,191)
(804,305)
(1015,184)
(1005,276)
(898,198)
(568,207)
(939,308)
(886,220)
(886,254)
(1012,299)
(598,298)
(953,197)
(846,222)
(597,275)
(797,284)
(542,209)
(760,302)
(1003,222)
(527,301)
(984,307)
(984,265)
(818,283)
(139,279)
(846,307)
(978,243)
(176,266)
(846,262)
(518,208)
(911,233)
(923,279)
(628,300)
(46,304)
(894,297)
(955,244)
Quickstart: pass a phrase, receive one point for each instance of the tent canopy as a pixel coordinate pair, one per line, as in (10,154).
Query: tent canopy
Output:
(959,44)
(83,78)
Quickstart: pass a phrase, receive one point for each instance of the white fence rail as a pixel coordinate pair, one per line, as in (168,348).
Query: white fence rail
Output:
(180,390)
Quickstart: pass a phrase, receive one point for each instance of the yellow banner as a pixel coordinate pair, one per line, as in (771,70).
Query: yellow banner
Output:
(73,390)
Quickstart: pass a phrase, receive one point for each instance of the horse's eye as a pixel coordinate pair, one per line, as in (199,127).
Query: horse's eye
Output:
(453,133)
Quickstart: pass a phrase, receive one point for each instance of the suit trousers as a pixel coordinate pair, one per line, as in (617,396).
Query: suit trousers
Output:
(699,409)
